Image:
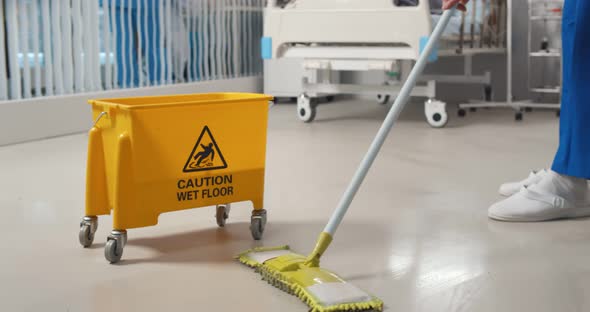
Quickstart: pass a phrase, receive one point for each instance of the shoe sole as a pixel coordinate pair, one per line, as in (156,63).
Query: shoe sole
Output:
(563,214)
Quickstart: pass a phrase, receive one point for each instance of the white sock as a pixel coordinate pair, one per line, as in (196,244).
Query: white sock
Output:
(568,187)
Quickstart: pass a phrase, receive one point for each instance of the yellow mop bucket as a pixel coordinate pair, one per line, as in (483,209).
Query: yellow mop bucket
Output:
(150,155)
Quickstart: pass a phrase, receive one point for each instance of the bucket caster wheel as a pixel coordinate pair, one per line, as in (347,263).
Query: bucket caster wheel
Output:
(436,113)
(306,109)
(113,250)
(88,227)
(461,112)
(257,223)
(222,213)
(382,99)
(518,116)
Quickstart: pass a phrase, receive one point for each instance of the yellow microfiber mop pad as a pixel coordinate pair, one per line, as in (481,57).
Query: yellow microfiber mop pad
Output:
(320,289)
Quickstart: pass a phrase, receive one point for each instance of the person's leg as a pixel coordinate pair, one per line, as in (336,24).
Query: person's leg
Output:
(573,155)
(563,191)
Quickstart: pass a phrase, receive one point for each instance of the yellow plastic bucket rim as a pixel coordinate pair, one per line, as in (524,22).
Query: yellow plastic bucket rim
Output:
(244,97)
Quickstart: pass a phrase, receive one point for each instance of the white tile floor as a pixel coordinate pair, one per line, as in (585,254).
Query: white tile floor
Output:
(417,235)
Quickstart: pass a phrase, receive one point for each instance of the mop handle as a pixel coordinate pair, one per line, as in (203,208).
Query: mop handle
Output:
(394,111)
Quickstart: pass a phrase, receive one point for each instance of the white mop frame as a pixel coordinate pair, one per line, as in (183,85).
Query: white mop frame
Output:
(363,35)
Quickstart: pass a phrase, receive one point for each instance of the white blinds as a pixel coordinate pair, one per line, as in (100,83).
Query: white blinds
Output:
(54,47)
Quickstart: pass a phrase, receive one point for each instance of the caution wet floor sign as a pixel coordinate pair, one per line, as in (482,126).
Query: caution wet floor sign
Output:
(206,154)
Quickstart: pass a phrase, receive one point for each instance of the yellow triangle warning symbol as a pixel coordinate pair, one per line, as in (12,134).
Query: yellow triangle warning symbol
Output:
(206,154)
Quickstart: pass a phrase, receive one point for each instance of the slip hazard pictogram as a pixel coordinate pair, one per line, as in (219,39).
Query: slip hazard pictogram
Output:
(206,154)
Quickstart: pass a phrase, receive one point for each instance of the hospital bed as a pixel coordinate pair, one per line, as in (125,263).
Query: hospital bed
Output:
(379,35)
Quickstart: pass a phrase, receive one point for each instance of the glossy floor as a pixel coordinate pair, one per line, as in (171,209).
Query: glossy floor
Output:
(417,234)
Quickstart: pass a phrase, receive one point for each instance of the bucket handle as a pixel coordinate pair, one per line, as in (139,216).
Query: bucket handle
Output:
(99,117)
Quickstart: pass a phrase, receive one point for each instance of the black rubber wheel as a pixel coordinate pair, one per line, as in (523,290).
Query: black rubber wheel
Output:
(437,117)
(382,99)
(487,93)
(221,214)
(256,229)
(86,237)
(306,111)
(518,116)
(461,112)
(257,224)
(330,98)
(307,115)
(110,251)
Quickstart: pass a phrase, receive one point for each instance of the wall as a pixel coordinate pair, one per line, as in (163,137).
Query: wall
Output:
(38,118)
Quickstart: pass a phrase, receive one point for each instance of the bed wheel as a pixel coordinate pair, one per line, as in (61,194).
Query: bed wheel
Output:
(461,112)
(487,93)
(306,109)
(436,113)
(518,116)
(382,99)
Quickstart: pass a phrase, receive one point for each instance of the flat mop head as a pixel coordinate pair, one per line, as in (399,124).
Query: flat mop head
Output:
(321,290)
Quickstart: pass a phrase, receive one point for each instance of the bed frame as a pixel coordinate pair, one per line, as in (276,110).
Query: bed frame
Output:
(375,35)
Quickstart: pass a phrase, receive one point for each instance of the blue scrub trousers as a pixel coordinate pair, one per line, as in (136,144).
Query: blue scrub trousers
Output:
(573,154)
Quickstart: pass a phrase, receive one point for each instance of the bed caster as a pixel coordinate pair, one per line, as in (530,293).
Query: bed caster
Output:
(88,227)
(487,93)
(222,213)
(436,113)
(257,223)
(306,109)
(461,112)
(382,99)
(113,250)
(518,116)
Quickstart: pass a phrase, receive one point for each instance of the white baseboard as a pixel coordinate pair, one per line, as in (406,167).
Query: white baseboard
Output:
(39,118)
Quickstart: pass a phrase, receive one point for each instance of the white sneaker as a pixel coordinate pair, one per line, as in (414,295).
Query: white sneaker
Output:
(555,196)
(511,188)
